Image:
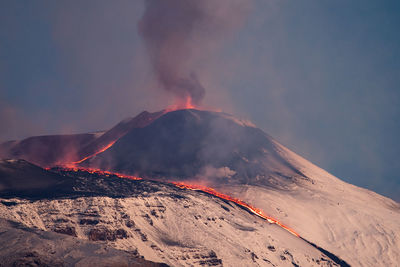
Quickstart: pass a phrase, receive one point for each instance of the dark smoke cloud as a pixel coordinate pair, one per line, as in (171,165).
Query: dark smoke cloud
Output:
(180,34)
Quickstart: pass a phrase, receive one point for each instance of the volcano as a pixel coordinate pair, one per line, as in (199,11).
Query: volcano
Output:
(336,223)
(191,143)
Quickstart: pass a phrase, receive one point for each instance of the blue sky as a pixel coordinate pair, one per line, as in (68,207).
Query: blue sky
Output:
(322,77)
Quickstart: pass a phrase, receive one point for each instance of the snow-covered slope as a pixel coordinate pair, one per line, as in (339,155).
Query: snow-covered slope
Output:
(24,246)
(359,225)
(161,222)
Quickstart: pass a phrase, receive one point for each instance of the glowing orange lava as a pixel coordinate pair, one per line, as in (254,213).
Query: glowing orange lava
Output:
(94,154)
(185,104)
(100,172)
(241,203)
(188,103)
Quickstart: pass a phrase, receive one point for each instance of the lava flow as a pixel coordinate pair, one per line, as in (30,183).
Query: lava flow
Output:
(99,172)
(94,154)
(240,202)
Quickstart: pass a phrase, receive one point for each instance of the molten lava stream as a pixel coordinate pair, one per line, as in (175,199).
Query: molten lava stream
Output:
(241,203)
(99,172)
(94,154)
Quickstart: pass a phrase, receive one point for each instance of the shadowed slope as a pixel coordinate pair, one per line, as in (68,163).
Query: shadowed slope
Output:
(46,150)
(21,178)
(51,150)
(202,144)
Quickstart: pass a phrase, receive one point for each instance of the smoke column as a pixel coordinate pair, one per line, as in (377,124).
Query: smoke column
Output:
(180,34)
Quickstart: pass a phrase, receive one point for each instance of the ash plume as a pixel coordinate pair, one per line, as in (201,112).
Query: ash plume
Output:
(180,34)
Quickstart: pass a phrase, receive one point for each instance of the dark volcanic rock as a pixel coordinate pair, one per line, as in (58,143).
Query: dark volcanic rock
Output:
(67,230)
(104,234)
(21,178)
(119,130)
(35,259)
(88,221)
(193,143)
(180,144)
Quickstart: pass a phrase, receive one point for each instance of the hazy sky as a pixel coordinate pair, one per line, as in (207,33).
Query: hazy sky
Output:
(322,77)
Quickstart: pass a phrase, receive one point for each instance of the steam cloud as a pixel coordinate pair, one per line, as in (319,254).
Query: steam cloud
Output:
(179,34)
